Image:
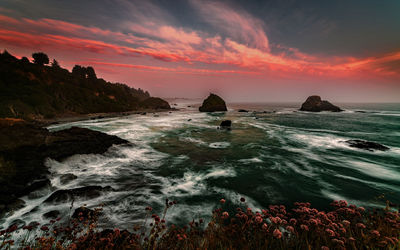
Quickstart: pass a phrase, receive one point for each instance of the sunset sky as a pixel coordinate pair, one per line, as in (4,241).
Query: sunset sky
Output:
(242,50)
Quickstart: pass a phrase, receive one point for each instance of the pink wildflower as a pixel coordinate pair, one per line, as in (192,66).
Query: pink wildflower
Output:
(222,201)
(277,234)
(275,220)
(330,232)
(360,225)
(324,248)
(346,223)
(290,229)
(304,227)
(375,233)
(225,215)
(265,227)
(259,219)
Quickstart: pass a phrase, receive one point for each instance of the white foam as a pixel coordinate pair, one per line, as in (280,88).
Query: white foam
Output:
(251,160)
(219,145)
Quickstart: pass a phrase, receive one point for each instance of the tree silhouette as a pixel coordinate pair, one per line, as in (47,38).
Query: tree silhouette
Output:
(79,71)
(90,73)
(55,64)
(25,60)
(40,58)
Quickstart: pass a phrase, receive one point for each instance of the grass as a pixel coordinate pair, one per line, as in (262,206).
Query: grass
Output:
(302,227)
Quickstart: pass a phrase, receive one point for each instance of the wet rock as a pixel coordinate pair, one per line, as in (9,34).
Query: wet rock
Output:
(66,178)
(213,103)
(315,104)
(226,124)
(65,195)
(366,145)
(83,212)
(25,147)
(243,111)
(53,214)
(18,222)
(16,205)
(34,224)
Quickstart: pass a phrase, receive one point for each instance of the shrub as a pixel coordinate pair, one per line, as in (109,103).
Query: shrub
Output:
(344,227)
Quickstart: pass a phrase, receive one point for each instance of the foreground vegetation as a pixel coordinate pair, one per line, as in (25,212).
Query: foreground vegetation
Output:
(344,227)
(37,90)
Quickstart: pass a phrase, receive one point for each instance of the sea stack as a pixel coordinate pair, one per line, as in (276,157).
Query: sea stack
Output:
(213,103)
(315,104)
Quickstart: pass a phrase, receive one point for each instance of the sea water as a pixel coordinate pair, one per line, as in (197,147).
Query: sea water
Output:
(274,154)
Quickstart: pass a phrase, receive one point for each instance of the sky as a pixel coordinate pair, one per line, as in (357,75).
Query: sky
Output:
(243,50)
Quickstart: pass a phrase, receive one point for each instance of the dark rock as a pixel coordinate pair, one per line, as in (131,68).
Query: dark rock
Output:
(315,104)
(65,195)
(213,103)
(65,178)
(366,145)
(226,124)
(243,111)
(18,222)
(15,205)
(24,148)
(155,103)
(84,212)
(53,214)
(34,224)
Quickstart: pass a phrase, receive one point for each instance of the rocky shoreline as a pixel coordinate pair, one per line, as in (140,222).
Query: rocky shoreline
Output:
(23,151)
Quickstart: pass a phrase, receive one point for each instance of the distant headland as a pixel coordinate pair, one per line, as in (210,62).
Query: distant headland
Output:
(41,90)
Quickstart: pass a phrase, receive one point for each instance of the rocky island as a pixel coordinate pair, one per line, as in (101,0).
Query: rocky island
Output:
(316,104)
(213,103)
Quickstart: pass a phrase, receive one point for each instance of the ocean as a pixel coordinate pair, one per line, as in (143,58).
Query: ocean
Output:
(274,154)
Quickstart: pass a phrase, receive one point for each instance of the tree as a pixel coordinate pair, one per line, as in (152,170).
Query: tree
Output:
(40,58)
(55,64)
(90,73)
(79,71)
(25,60)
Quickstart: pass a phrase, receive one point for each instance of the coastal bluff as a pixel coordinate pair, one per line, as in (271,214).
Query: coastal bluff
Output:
(213,103)
(314,103)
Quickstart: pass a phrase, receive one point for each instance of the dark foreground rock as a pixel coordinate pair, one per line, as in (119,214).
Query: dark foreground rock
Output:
(66,178)
(315,104)
(53,214)
(213,103)
(65,195)
(243,111)
(24,148)
(226,124)
(366,145)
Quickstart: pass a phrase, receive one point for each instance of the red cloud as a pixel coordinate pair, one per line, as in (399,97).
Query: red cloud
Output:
(181,46)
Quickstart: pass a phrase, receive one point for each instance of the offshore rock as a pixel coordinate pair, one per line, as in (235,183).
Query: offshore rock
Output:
(315,104)
(366,145)
(213,103)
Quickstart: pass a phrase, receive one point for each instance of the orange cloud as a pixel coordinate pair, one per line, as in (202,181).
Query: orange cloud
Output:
(245,49)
